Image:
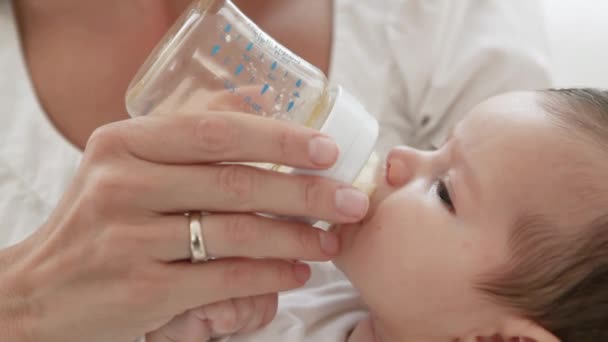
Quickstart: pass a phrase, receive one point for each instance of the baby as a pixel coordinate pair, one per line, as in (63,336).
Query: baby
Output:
(501,234)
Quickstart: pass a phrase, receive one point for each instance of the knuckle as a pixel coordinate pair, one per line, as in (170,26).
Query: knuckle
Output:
(104,181)
(285,136)
(307,239)
(237,182)
(312,194)
(215,134)
(106,187)
(105,141)
(240,229)
(113,184)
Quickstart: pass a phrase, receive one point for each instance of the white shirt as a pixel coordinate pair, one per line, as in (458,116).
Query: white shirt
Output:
(418,65)
(36,162)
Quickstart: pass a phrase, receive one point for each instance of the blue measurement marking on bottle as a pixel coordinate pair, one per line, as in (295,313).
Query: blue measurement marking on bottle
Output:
(230,86)
(215,50)
(227,28)
(238,70)
(273,65)
(249,47)
(296,94)
(265,88)
(299,83)
(290,105)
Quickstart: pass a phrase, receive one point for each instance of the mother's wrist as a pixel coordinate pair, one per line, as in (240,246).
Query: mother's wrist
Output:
(12,329)
(14,308)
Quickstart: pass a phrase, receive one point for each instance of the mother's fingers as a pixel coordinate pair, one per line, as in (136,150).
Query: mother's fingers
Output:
(194,285)
(221,137)
(240,235)
(238,188)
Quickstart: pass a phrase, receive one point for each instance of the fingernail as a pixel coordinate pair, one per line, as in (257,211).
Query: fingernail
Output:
(330,244)
(352,202)
(323,151)
(302,272)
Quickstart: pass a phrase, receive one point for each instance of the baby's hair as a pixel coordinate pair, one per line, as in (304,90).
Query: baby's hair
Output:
(561,282)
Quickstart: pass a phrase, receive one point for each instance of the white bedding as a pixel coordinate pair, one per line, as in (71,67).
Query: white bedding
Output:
(578,32)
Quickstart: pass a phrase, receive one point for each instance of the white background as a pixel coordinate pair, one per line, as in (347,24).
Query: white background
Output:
(578,37)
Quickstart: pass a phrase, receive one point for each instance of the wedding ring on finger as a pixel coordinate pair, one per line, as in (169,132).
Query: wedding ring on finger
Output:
(198,253)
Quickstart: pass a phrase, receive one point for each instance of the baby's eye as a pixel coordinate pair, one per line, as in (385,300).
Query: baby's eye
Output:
(444,195)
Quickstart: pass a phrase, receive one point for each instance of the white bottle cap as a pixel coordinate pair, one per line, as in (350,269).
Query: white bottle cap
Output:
(355,132)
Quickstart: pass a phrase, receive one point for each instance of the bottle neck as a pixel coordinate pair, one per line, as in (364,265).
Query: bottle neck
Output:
(366,180)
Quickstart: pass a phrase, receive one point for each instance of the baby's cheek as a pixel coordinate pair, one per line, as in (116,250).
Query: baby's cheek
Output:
(385,242)
(409,234)
(401,222)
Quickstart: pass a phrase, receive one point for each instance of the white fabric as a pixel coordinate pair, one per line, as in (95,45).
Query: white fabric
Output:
(326,310)
(577,41)
(36,162)
(406,60)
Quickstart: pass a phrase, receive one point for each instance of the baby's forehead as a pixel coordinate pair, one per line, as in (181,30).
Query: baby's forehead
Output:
(507,111)
(526,163)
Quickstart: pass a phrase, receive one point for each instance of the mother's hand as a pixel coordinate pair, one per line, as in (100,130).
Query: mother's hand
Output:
(108,263)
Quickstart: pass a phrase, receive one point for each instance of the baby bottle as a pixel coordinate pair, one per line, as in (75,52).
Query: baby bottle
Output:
(215,58)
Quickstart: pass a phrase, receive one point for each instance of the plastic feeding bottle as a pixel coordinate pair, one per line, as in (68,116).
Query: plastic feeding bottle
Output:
(215,58)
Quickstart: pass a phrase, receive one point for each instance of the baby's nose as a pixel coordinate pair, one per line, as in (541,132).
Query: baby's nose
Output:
(402,163)
(396,172)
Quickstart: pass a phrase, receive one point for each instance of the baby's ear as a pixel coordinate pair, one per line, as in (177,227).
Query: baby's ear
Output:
(512,329)
(521,330)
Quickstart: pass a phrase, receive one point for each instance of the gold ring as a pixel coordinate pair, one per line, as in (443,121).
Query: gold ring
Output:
(198,253)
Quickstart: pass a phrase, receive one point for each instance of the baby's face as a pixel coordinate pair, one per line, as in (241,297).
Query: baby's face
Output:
(440,220)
